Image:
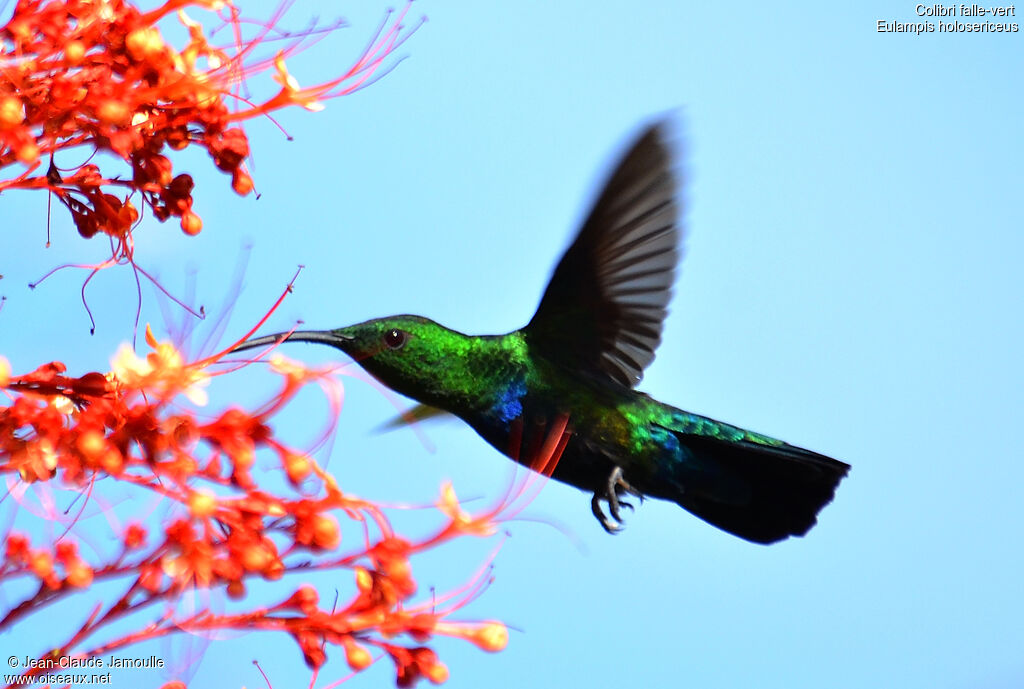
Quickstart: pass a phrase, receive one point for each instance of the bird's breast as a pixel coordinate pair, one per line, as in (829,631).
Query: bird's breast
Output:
(518,418)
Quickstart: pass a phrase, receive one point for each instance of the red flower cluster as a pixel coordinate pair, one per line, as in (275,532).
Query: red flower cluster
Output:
(96,78)
(97,75)
(71,433)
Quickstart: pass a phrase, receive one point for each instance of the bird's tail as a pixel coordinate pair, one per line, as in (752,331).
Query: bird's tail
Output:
(762,493)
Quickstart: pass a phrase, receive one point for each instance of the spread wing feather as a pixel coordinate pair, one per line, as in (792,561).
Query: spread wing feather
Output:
(602,312)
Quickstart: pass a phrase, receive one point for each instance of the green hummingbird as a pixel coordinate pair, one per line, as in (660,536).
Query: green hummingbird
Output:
(581,356)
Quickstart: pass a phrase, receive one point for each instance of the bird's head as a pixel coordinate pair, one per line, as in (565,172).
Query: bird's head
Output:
(410,354)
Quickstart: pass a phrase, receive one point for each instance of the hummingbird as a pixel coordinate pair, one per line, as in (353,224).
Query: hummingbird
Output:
(581,357)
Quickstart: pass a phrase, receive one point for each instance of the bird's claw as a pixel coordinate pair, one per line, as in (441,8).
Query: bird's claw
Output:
(616,484)
(602,518)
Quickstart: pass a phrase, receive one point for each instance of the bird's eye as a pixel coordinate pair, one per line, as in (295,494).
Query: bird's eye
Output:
(395,338)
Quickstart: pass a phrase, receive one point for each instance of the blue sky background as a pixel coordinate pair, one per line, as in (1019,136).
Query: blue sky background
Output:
(851,284)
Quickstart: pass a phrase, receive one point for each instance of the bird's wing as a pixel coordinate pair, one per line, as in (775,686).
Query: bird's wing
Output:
(602,311)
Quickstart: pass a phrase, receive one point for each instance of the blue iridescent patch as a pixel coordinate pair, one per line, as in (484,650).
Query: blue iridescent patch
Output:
(668,440)
(510,406)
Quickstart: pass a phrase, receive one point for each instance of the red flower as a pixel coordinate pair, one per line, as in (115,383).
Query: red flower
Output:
(98,75)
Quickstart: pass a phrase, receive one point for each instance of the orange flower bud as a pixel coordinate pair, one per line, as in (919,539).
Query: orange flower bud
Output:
(436,672)
(12,112)
(134,536)
(429,666)
(256,557)
(79,574)
(305,599)
(326,533)
(241,182)
(274,571)
(17,550)
(91,444)
(178,139)
(112,461)
(297,467)
(41,564)
(74,51)
(202,504)
(357,657)
(27,153)
(144,43)
(364,580)
(398,568)
(191,224)
(491,636)
(113,112)
(67,552)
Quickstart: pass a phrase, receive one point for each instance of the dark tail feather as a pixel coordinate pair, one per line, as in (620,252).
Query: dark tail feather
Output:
(773,492)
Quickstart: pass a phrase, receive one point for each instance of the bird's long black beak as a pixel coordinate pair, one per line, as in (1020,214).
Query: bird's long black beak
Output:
(317,336)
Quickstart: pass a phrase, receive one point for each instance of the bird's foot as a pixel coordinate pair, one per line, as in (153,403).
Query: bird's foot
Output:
(616,485)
